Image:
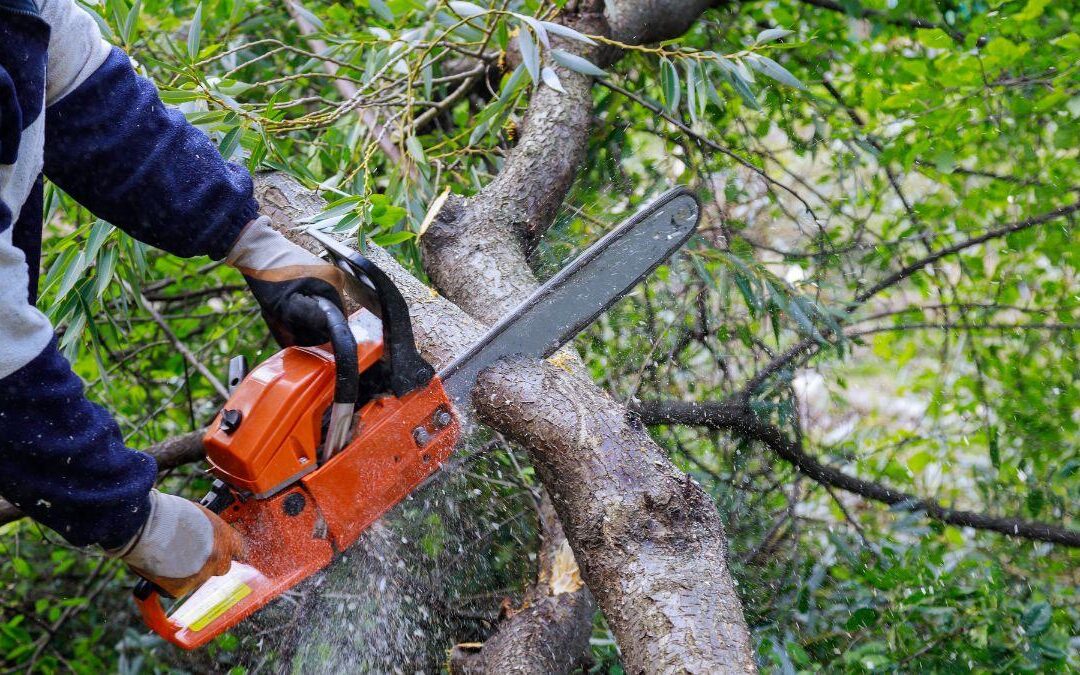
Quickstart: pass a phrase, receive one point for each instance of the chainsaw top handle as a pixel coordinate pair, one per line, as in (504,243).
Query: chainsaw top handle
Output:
(407,369)
(347,367)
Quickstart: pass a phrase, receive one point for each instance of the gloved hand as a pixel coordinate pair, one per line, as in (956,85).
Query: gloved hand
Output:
(285,280)
(181,545)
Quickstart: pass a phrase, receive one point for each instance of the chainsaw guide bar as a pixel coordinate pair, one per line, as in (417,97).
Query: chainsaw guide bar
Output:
(317,443)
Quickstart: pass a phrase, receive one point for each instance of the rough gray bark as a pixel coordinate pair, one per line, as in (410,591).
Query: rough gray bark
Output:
(645,21)
(648,538)
(475,252)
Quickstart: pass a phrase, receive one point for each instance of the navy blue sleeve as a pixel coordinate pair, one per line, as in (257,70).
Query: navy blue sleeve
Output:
(63,461)
(119,151)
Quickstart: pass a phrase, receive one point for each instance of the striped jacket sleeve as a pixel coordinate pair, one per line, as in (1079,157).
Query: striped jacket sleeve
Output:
(118,150)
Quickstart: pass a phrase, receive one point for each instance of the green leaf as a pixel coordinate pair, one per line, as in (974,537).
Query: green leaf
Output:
(392,238)
(99,232)
(692,95)
(230,142)
(770,34)
(416,149)
(382,10)
(551,79)
(734,76)
(21,567)
(1036,619)
(308,15)
(512,84)
(670,85)
(194,32)
(577,63)
(130,21)
(103,271)
(861,618)
(530,55)
(766,66)
(537,28)
(466,10)
(570,33)
(74,273)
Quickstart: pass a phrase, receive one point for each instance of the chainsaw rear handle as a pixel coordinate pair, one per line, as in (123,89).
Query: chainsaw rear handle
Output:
(408,370)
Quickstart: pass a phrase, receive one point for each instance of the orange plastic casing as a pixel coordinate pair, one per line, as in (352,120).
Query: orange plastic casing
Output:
(293,514)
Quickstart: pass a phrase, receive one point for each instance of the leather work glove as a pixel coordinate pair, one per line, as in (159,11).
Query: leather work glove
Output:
(181,545)
(285,280)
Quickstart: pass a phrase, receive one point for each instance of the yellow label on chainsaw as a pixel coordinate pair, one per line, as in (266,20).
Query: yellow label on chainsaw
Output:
(220,607)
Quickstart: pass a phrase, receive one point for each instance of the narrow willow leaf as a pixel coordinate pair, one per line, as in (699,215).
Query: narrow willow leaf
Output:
(74,273)
(391,238)
(307,14)
(512,83)
(670,85)
(570,33)
(425,78)
(577,63)
(530,55)
(106,263)
(766,66)
(692,95)
(194,31)
(479,132)
(381,8)
(537,27)
(433,210)
(466,10)
(741,86)
(130,21)
(552,80)
(231,142)
(416,150)
(745,73)
(770,34)
(99,232)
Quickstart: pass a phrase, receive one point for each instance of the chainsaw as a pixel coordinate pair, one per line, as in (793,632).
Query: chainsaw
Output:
(316,443)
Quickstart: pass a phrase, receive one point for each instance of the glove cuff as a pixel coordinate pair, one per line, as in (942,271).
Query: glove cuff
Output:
(263,253)
(175,542)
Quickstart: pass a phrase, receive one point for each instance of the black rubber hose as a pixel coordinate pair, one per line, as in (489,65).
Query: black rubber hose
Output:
(347,382)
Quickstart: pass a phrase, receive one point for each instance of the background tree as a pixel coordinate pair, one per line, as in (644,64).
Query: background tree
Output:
(867,360)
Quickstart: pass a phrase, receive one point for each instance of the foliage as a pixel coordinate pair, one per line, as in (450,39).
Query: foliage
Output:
(830,151)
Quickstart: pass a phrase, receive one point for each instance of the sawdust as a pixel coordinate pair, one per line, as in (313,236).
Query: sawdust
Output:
(565,574)
(562,359)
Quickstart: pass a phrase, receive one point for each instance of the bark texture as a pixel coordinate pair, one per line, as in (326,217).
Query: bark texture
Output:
(475,252)
(550,633)
(649,540)
(645,21)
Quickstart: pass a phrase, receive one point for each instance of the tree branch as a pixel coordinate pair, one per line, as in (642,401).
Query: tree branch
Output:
(808,345)
(737,418)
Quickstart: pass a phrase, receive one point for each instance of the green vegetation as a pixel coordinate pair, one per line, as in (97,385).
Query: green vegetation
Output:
(829,155)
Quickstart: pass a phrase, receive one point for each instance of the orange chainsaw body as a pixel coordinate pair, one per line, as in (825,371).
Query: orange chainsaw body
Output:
(294,514)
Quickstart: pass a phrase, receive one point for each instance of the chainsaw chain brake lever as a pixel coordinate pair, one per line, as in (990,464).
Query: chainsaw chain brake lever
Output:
(408,370)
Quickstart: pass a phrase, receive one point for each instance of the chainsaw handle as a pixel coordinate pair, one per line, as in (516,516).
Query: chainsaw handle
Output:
(408,370)
(347,366)
(148,600)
